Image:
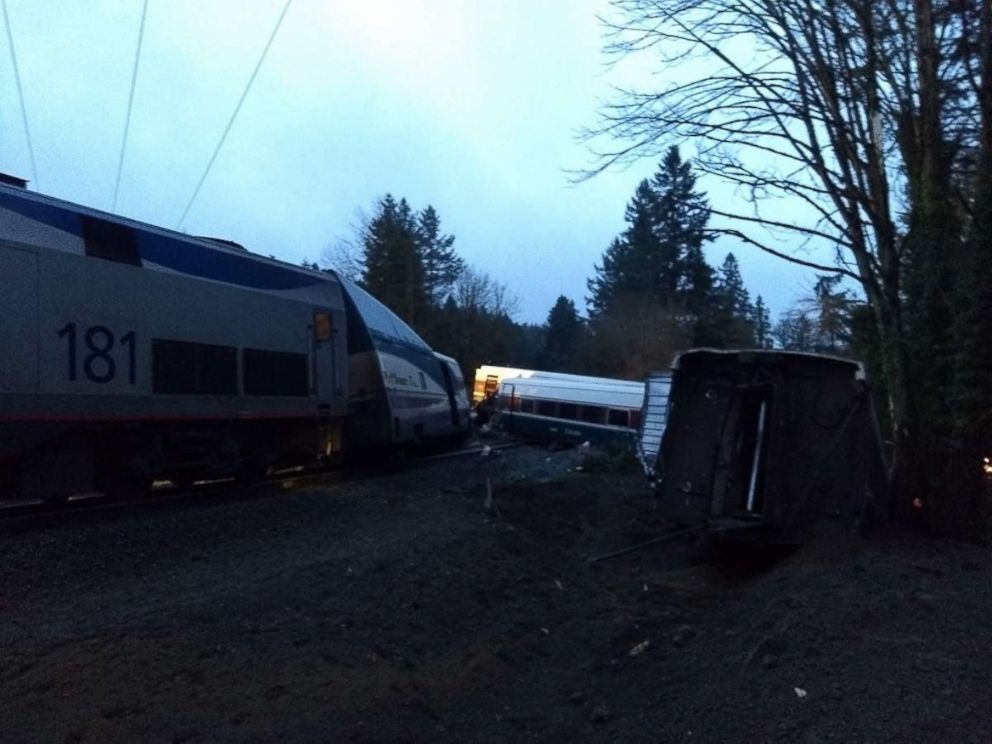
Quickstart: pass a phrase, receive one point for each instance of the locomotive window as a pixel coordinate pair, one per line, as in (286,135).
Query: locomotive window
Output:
(110,241)
(179,367)
(322,326)
(618,418)
(593,414)
(568,411)
(546,407)
(423,381)
(527,405)
(275,373)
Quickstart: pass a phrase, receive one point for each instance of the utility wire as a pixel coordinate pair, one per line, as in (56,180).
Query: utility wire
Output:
(20,91)
(130,102)
(237,108)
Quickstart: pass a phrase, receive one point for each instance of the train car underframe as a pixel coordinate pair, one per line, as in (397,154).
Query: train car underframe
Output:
(56,461)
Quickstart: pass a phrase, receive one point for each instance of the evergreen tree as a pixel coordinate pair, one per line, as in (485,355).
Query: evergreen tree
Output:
(680,218)
(728,321)
(833,314)
(564,330)
(393,268)
(442,265)
(762,325)
(659,257)
(697,281)
(606,279)
(731,290)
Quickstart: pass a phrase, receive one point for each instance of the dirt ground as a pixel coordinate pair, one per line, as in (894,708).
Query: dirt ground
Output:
(401,609)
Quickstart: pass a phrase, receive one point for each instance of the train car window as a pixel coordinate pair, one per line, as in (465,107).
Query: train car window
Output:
(275,373)
(546,407)
(423,381)
(110,241)
(568,411)
(182,368)
(526,405)
(635,419)
(322,328)
(593,414)
(618,418)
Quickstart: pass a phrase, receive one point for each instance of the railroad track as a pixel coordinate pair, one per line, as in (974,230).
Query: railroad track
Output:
(165,495)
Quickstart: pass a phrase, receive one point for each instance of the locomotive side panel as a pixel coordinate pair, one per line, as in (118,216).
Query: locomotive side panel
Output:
(18,322)
(102,325)
(417,394)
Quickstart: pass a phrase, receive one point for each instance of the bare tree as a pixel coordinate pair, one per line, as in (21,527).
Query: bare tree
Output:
(344,254)
(476,291)
(839,106)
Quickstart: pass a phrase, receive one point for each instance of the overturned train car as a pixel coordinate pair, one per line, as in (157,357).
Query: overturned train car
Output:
(767,442)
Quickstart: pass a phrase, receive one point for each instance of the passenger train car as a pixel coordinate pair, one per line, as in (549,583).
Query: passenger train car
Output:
(131,352)
(588,409)
(488,378)
(401,391)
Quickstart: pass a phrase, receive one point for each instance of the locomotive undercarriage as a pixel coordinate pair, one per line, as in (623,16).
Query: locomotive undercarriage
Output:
(53,462)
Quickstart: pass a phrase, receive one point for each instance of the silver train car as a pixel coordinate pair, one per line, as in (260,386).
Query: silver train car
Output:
(401,391)
(598,410)
(133,353)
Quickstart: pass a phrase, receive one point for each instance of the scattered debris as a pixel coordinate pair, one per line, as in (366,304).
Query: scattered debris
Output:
(675,534)
(640,648)
(800,692)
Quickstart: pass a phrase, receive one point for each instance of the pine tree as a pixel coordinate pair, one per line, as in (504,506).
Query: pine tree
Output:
(728,320)
(659,257)
(393,269)
(762,325)
(606,279)
(833,314)
(442,265)
(564,330)
(681,215)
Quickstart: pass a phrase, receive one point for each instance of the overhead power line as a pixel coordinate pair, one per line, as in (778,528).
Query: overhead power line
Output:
(130,102)
(20,91)
(237,108)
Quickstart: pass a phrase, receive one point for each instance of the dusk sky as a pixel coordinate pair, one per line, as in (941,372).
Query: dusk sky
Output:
(470,106)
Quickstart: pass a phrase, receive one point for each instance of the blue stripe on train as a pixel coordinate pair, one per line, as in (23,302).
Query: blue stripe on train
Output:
(184,256)
(197,260)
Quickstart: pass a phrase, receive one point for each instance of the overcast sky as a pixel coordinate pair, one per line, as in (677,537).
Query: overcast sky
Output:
(470,106)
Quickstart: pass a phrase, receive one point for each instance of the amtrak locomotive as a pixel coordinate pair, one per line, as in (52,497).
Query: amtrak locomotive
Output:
(132,353)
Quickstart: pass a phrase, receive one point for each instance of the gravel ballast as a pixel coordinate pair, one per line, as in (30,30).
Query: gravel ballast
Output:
(400,608)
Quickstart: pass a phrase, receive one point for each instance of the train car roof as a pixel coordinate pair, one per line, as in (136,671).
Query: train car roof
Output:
(379,319)
(509,372)
(41,221)
(629,395)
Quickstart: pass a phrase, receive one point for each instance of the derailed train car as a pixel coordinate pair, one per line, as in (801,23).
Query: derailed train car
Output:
(133,353)
(571,409)
(400,390)
(767,442)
